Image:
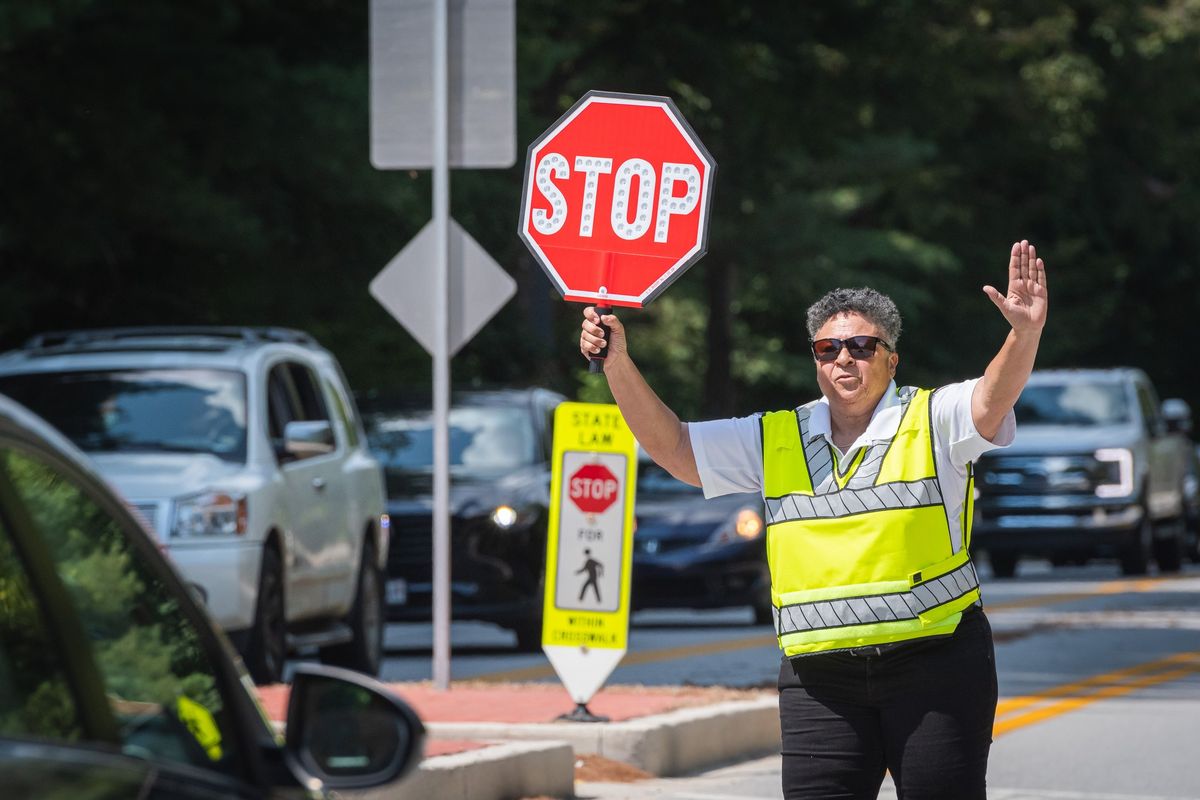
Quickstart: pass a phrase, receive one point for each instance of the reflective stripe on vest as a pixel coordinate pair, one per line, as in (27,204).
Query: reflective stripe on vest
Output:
(862,553)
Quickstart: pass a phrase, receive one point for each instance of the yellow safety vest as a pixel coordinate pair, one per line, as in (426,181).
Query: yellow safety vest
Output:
(861,553)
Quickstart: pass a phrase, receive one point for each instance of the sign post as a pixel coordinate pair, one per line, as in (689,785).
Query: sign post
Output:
(589,548)
(443,286)
(616,199)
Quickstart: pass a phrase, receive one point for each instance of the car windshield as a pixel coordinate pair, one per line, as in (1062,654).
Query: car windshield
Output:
(141,410)
(483,440)
(1075,404)
(653,479)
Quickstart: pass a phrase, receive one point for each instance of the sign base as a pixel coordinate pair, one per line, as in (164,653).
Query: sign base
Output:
(583,670)
(581,714)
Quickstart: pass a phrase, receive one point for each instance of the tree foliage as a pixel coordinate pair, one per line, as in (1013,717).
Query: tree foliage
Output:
(208,163)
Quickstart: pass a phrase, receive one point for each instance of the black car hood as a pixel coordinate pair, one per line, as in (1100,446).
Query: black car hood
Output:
(686,514)
(411,493)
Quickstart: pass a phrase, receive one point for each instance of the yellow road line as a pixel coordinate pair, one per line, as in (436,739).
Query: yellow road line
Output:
(1085,692)
(1108,587)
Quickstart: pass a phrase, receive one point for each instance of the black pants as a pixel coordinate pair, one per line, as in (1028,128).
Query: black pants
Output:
(923,710)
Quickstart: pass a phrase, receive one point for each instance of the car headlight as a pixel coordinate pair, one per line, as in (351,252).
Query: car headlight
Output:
(210,514)
(745,525)
(507,518)
(1116,472)
(504,517)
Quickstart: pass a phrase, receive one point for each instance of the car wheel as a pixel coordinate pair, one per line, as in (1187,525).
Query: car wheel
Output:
(1168,552)
(266,650)
(763,609)
(1004,564)
(364,652)
(1135,555)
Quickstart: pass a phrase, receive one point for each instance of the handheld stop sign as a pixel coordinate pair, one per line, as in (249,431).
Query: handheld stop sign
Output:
(616,199)
(589,548)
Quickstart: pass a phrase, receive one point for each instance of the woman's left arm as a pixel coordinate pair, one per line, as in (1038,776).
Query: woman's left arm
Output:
(1024,306)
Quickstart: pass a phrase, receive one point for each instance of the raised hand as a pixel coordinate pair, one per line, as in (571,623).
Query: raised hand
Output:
(1026,302)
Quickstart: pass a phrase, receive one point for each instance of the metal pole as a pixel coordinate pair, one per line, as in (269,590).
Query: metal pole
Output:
(441,355)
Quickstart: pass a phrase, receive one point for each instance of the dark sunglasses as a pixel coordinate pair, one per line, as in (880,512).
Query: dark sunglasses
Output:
(859,347)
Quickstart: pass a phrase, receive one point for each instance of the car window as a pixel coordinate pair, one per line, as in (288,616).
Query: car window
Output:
(1073,404)
(1149,404)
(653,479)
(283,405)
(141,410)
(158,675)
(312,400)
(484,440)
(35,698)
(343,414)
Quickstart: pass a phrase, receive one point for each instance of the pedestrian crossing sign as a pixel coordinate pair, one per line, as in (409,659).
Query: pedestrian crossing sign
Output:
(589,546)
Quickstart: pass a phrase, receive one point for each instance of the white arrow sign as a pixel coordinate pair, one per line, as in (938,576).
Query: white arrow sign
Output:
(479,287)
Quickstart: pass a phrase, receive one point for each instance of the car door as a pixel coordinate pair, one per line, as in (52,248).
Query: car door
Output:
(314,492)
(1165,480)
(108,686)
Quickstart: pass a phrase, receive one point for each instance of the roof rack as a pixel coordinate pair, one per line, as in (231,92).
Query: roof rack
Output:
(101,336)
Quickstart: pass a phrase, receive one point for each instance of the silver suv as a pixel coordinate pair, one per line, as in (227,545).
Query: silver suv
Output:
(1098,468)
(241,449)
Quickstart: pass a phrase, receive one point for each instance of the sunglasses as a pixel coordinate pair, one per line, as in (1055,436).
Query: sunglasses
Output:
(859,346)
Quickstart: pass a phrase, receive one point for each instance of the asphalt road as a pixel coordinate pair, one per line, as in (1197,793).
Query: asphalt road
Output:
(1099,683)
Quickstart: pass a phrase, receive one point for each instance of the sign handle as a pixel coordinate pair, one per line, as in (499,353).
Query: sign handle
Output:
(597,362)
(602,308)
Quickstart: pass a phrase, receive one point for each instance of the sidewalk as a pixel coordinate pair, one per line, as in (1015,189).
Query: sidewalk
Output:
(489,741)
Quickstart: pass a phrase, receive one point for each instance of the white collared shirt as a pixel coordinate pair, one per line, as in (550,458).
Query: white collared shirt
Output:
(728,452)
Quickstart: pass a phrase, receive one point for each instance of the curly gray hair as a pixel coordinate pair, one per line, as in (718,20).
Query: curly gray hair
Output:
(875,306)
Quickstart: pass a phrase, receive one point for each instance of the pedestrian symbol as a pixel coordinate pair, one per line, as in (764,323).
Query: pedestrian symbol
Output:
(594,570)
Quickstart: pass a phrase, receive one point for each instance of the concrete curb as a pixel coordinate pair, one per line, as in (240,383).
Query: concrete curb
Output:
(505,770)
(664,744)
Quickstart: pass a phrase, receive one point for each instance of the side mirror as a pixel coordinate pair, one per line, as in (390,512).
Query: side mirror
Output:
(348,730)
(1178,415)
(308,439)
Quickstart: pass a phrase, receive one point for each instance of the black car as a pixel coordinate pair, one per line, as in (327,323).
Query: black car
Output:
(500,449)
(114,682)
(690,552)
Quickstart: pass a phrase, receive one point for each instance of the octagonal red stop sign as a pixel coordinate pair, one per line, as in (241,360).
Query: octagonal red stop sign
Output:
(616,198)
(593,488)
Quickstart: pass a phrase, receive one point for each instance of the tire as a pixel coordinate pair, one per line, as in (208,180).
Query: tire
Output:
(529,635)
(1168,553)
(764,610)
(363,653)
(266,649)
(1135,555)
(1004,563)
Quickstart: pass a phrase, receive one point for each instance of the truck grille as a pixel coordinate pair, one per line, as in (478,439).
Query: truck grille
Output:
(1011,475)
(410,554)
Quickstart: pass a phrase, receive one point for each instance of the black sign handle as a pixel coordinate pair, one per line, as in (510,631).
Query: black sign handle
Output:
(597,362)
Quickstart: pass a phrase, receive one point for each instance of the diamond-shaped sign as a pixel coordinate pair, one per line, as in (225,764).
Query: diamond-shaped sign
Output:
(479,287)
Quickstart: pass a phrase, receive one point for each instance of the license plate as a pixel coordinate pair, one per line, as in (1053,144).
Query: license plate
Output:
(397,592)
(1039,521)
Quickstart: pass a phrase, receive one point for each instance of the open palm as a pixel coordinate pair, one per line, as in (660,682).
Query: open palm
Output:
(1026,302)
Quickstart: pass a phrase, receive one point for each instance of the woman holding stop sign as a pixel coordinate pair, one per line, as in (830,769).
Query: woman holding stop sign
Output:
(888,660)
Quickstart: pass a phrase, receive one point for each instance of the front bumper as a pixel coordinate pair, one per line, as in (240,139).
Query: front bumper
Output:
(496,576)
(1036,527)
(224,575)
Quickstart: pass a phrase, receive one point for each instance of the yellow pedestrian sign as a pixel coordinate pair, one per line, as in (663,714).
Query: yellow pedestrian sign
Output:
(589,547)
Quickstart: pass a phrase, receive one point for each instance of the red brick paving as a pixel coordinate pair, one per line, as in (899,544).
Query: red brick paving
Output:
(511,703)
(514,703)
